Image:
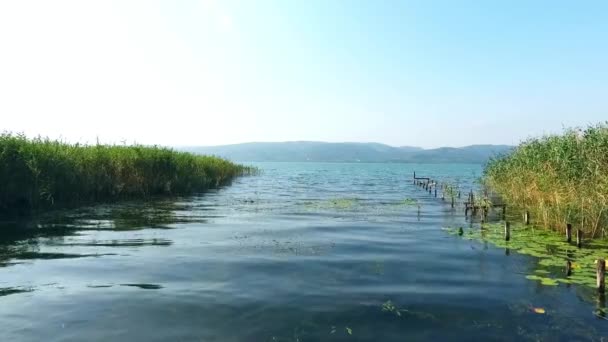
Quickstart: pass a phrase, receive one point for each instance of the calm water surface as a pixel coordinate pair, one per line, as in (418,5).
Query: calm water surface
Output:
(302,252)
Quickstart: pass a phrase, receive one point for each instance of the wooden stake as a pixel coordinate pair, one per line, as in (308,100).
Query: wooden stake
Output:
(600,273)
(579,238)
(507,231)
(458,194)
(568,268)
(527,218)
(435,190)
(569,232)
(452,201)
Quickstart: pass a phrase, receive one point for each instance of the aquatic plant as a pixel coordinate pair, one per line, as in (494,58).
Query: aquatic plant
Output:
(41,173)
(408,202)
(558,179)
(551,249)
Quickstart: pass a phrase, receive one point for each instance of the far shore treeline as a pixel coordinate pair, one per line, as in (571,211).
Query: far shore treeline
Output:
(559,179)
(41,173)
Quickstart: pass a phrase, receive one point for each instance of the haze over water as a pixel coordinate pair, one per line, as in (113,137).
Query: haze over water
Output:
(302,252)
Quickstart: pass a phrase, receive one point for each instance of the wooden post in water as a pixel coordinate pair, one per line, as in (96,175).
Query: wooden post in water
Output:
(579,238)
(507,231)
(600,273)
(504,211)
(568,268)
(452,201)
(435,190)
(569,232)
(527,217)
(458,194)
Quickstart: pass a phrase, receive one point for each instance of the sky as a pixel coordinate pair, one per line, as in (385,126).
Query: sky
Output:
(201,72)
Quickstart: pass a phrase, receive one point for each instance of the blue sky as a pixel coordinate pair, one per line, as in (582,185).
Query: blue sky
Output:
(424,73)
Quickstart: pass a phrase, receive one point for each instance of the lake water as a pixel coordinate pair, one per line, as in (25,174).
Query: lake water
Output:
(302,252)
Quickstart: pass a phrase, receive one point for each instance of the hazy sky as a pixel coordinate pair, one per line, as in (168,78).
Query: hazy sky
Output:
(424,73)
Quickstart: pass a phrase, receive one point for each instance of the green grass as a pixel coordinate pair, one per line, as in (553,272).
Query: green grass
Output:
(559,179)
(41,173)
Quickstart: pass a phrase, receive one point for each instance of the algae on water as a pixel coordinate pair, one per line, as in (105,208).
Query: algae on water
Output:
(549,247)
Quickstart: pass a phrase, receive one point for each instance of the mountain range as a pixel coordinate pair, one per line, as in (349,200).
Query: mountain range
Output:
(311,151)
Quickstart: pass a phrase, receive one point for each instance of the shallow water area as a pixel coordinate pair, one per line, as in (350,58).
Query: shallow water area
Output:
(301,252)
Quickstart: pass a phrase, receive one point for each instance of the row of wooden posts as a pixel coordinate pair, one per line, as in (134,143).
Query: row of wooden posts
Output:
(428,185)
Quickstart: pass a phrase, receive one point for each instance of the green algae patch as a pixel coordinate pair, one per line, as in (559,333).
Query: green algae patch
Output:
(343,203)
(408,202)
(551,249)
(333,204)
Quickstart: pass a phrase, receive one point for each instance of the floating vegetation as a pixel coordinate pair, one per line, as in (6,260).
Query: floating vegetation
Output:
(343,203)
(388,306)
(333,204)
(550,248)
(377,267)
(408,202)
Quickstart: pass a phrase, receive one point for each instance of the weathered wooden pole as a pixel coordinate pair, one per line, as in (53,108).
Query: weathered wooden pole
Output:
(458,194)
(452,201)
(504,211)
(569,232)
(435,190)
(527,218)
(431,189)
(579,238)
(568,268)
(600,274)
(507,231)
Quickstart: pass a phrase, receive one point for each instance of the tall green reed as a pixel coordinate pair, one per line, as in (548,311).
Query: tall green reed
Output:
(559,179)
(40,173)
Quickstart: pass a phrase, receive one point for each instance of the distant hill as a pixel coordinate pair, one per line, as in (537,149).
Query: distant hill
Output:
(300,151)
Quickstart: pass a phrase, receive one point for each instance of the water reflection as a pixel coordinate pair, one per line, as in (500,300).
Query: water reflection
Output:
(303,253)
(5,291)
(39,238)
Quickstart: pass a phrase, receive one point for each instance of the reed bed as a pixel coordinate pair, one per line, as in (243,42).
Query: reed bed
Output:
(41,173)
(559,179)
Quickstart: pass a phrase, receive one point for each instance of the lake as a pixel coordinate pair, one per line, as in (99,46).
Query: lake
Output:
(301,252)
